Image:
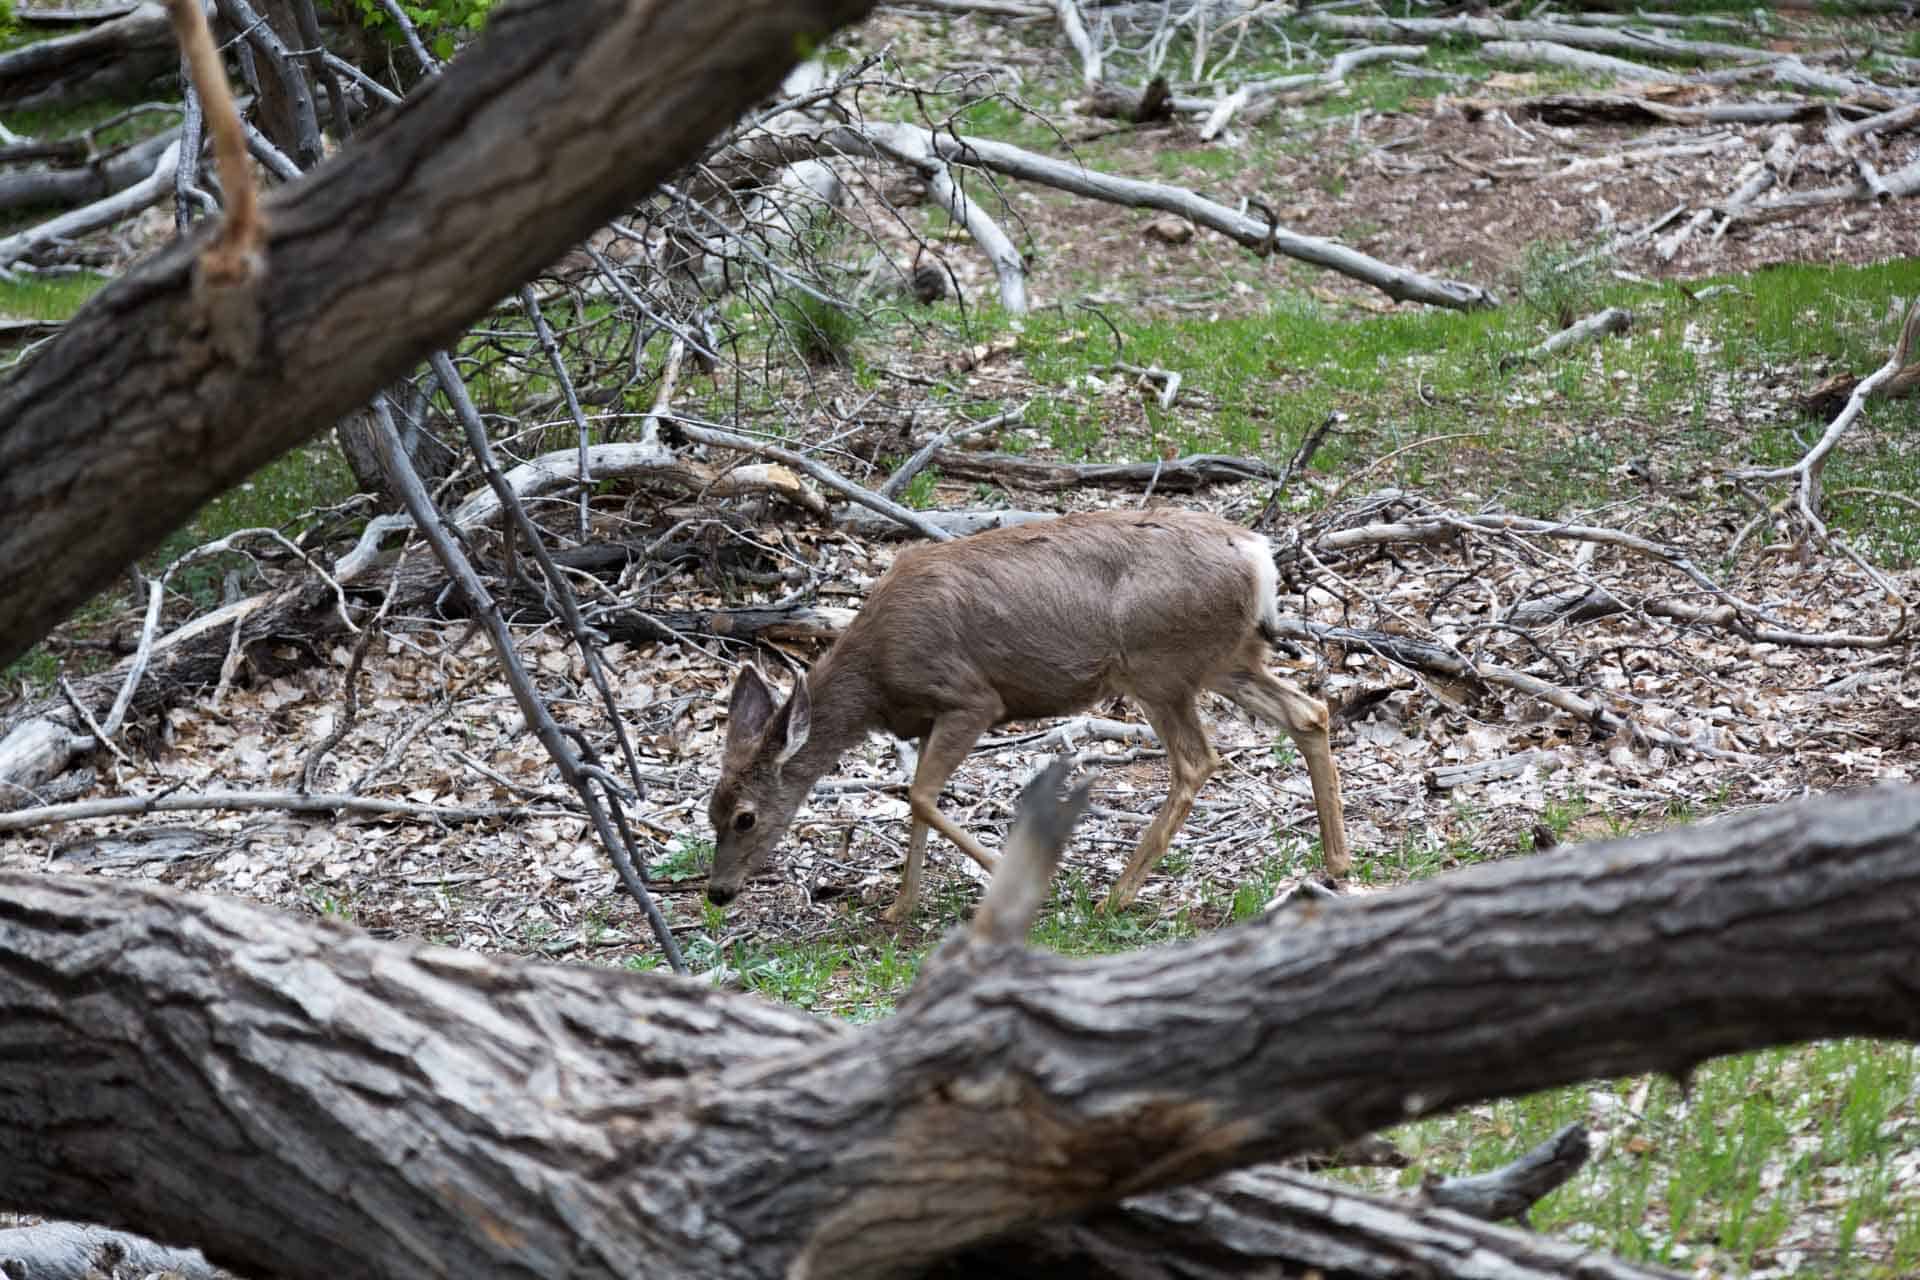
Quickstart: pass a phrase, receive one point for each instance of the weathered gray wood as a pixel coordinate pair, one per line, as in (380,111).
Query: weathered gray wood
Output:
(74,1251)
(1515,1187)
(1175,475)
(1450,776)
(35,752)
(960,524)
(304,1100)
(1271,1222)
(111,58)
(79,183)
(154,187)
(1638,44)
(562,115)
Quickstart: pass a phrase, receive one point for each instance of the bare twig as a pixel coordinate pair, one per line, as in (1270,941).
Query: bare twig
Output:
(819,471)
(276,801)
(402,477)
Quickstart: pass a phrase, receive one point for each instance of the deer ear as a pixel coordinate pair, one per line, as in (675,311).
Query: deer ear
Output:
(798,714)
(750,707)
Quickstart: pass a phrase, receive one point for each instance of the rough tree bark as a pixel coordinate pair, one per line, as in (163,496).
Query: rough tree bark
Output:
(564,114)
(302,1100)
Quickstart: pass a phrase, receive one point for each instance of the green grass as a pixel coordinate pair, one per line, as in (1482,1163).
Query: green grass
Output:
(1735,1163)
(47,297)
(1549,438)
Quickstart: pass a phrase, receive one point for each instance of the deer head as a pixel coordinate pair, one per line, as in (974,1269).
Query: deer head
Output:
(757,795)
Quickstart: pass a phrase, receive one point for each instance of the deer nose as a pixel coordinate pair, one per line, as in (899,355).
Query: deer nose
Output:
(720,895)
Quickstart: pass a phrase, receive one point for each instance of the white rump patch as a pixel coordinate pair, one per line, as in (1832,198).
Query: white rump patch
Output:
(1266,578)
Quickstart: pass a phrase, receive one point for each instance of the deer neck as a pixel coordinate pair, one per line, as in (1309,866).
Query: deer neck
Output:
(845,707)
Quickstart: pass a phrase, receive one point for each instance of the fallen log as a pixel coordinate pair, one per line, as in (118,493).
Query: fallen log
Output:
(207,1072)
(1261,235)
(1618,108)
(1641,44)
(1174,475)
(150,190)
(74,1251)
(106,61)
(92,180)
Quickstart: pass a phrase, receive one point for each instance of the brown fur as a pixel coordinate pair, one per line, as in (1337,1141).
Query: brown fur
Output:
(1042,619)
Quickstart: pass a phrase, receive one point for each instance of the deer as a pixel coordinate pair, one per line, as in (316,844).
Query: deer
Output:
(1038,620)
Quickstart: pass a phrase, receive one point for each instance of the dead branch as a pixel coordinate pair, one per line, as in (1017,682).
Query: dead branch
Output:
(1550,54)
(73,1251)
(87,177)
(1177,475)
(819,471)
(560,470)
(583,775)
(1448,777)
(903,475)
(1258,234)
(107,60)
(1441,660)
(1261,235)
(960,524)
(1613,320)
(913,147)
(1118,101)
(1511,1190)
(151,190)
(1805,474)
(1844,142)
(990,8)
(1894,121)
(1075,29)
(1904,181)
(1639,44)
(1775,170)
(322,803)
(1616,108)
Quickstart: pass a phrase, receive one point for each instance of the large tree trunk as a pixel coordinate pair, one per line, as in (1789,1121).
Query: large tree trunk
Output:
(302,1100)
(564,114)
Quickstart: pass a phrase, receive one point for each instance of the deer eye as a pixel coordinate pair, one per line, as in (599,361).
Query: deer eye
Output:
(743,821)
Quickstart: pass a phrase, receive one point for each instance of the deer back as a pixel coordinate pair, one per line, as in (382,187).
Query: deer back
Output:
(1048,618)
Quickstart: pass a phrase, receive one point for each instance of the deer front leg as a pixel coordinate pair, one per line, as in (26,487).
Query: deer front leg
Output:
(947,744)
(902,909)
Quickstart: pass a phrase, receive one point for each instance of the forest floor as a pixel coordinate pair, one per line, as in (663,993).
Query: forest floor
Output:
(1789,1163)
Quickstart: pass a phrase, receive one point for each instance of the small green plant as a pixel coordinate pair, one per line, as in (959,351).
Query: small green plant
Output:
(823,332)
(441,24)
(687,858)
(1558,281)
(919,493)
(332,906)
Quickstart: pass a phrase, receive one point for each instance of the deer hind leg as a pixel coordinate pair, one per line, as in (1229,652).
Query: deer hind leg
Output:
(1190,761)
(1304,717)
(947,744)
